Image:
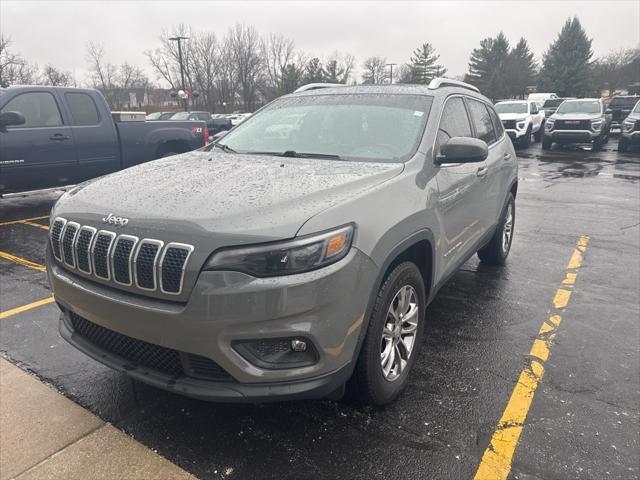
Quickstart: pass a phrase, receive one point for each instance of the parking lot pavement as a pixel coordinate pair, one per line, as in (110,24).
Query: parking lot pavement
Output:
(480,339)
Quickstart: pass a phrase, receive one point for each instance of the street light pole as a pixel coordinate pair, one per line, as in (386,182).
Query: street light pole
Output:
(390,65)
(179,39)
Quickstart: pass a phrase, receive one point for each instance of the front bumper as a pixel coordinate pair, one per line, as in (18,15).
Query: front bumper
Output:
(325,306)
(515,134)
(572,136)
(632,137)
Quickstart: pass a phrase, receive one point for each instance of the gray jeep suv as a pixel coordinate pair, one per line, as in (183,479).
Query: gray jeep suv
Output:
(297,254)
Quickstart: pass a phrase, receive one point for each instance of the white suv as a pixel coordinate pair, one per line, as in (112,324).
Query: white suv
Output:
(520,119)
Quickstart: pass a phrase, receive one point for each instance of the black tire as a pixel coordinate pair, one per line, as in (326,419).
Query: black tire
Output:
(496,251)
(526,140)
(369,384)
(623,145)
(597,144)
(606,137)
(546,143)
(538,135)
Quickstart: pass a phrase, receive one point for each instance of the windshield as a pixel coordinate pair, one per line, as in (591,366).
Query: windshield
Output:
(627,102)
(180,116)
(580,106)
(519,107)
(553,102)
(361,127)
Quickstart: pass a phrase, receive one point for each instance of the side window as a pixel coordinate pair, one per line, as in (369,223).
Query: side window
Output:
(482,121)
(39,109)
(454,122)
(497,123)
(83,109)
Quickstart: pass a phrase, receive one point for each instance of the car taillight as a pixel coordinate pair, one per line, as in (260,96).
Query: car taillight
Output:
(206,135)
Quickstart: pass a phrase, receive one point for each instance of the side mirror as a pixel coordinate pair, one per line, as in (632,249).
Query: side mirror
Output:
(11,118)
(463,150)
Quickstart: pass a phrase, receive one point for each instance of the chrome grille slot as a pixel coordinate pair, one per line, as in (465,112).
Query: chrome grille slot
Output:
(145,263)
(55,234)
(68,242)
(121,258)
(100,254)
(172,266)
(83,245)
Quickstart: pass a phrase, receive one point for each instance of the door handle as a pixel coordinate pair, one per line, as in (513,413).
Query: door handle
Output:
(507,156)
(59,137)
(482,171)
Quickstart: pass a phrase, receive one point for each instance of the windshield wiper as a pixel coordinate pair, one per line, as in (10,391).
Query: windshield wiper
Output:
(224,148)
(294,154)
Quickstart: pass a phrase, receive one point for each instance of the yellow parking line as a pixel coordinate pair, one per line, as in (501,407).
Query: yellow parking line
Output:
(24,308)
(43,227)
(497,458)
(22,261)
(24,220)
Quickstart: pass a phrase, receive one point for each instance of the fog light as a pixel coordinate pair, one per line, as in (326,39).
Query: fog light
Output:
(277,353)
(298,345)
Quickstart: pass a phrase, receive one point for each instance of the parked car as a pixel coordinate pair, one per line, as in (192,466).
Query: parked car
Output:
(159,116)
(521,119)
(541,97)
(51,136)
(267,268)
(630,134)
(217,125)
(550,106)
(214,125)
(578,121)
(196,115)
(620,107)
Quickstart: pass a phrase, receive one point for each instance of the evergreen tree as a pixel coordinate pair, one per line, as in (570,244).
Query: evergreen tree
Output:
(313,72)
(566,65)
(521,69)
(333,72)
(291,78)
(488,67)
(424,64)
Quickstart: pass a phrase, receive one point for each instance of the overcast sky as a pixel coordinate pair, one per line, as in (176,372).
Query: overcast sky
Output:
(56,32)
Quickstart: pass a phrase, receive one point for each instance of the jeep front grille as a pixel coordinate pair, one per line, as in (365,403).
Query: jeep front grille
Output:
(126,260)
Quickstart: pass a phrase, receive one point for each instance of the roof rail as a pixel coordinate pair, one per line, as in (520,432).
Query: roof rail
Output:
(315,86)
(448,82)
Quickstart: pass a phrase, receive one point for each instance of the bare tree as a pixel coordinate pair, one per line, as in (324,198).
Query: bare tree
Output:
(338,67)
(205,55)
(245,47)
(56,78)
(374,70)
(278,52)
(617,70)
(14,69)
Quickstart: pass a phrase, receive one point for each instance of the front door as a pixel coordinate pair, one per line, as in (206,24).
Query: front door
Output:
(40,153)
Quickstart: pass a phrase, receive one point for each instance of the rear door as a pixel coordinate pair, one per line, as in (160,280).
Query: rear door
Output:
(492,184)
(460,189)
(40,153)
(94,135)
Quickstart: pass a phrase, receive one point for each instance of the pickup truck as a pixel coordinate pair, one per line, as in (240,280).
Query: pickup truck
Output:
(520,119)
(53,136)
(619,108)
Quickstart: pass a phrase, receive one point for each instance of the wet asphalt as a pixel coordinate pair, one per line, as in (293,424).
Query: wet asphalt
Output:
(585,417)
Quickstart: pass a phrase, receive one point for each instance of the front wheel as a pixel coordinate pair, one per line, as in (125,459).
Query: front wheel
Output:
(546,143)
(623,145)
(526,140)
(497,250)
(393,337)
(597,144)
(538,135)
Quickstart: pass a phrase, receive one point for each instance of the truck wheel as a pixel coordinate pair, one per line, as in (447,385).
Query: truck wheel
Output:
(623,145)
(546,143)
(393,337)
(538,135)
(526,140)
(496,251)
(606,138)
(597,144)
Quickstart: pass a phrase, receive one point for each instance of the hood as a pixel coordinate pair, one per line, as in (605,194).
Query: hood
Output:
(513,116)
(576,116)
(248,197)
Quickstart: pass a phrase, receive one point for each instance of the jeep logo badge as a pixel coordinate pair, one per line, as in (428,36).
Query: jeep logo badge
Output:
(118,221)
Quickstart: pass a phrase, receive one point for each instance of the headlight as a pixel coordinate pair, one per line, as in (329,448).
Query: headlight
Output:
(521,124)
(548,125)
(596,124)
(627,125)
(285,258)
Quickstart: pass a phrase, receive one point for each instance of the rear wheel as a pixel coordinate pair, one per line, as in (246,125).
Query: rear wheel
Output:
(546,143)
(497,250)
(393,337)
